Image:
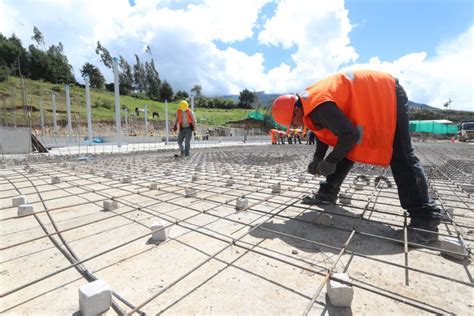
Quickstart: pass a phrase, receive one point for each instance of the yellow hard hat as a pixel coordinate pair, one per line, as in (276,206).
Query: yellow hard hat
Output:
(183,105)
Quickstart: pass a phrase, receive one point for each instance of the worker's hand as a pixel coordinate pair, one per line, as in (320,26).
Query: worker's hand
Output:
(175,128)
(325,168)
(313,165)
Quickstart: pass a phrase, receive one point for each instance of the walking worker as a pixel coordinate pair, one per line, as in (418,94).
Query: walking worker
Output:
(273,135)
(363,115)
(185,124)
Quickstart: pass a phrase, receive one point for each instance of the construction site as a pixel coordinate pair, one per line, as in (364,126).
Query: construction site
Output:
(224,232)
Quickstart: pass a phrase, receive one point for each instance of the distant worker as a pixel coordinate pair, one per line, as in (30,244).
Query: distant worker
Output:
(363,115)
(281,136)
(185,124)
(274,135)
(311,137)
(289,135)
(297,136)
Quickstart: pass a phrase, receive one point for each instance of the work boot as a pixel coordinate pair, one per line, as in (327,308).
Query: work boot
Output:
(319,199)
(421,231)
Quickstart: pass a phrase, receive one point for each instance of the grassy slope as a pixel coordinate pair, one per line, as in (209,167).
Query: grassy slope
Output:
(37,89)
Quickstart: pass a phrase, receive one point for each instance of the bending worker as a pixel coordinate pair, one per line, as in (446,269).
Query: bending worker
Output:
(185,124)
(363,115)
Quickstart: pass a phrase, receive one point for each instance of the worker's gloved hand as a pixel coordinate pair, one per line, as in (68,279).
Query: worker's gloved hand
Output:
(175,128)
(325,168)
(313,165)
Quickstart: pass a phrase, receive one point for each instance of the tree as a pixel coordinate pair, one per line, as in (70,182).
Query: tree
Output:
(165,91)
(246,98)
(104,55)
(152,81)
(96,79)
(181,95)
(125,77)
(197,90)
(13,55)
(139,75)
(59,69)
(38,37)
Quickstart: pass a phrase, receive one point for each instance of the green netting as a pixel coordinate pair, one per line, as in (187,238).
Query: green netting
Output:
(259,116)
(268,119)
(433,127)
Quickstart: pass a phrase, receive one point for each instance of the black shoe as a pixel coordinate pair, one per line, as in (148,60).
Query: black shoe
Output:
(318,199)
(421,231)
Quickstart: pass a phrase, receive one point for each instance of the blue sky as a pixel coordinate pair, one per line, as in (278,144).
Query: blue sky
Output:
(264,45)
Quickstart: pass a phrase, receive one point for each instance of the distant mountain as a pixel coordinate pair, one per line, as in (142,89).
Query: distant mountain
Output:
(267,99)
(262,98)
(415,105)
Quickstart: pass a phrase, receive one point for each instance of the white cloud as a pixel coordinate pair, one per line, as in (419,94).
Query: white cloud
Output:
(436,79)
(185,36)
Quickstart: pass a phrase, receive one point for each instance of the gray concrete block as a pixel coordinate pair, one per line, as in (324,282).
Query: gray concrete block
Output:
(241,203)
(55,180)
(455,245)
(190,192)
(153,186)
(25,209)
(108,175)
(95,298)
(340,294)
(110,205)
(276,188)
(157,233)
(21,199)
(127,179)
(194,178)
(229,182)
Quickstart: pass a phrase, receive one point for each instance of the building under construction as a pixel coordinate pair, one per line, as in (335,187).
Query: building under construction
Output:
(224,233)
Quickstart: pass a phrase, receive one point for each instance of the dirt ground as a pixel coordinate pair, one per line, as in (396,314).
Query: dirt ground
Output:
(268,259)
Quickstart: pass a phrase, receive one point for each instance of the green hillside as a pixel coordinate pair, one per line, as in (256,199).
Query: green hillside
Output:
(102,103)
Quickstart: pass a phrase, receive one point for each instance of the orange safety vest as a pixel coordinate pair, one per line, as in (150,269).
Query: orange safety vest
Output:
(273,133)
(180,117)
(368,99)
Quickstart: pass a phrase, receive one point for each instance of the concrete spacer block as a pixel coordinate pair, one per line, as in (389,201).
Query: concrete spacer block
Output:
(95,298)
(21,199)
(32,170)
(144,169)
(258,175)
(241,203)
(194,178)
(55,180)
(455,245)
(3,166)
(340,294)
(158,234)
(197,168)
(301,179)
(276,188)
(278,170)
(108,175)
(92,171)
(167,172)
(190,192)
(25,209)
(359,186)
(110,205)
(127,179)
(345,198)
(153,186)
(323,219)
(229,182)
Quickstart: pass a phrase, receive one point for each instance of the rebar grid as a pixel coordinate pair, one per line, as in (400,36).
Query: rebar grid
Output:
(177,180)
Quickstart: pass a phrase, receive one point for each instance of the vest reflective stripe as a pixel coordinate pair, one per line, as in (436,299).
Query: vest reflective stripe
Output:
(368,100)
(180,117)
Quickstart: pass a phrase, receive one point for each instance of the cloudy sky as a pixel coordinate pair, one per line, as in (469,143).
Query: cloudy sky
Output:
(273,46)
